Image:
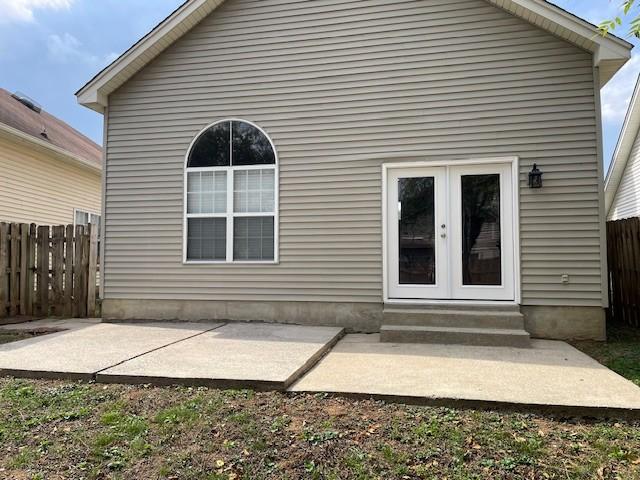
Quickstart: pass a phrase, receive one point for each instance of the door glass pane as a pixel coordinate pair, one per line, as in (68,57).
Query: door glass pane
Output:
(481,249)
(417,233)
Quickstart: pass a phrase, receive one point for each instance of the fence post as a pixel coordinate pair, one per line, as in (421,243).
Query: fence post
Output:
(43,270)
(4,263)
(92,268)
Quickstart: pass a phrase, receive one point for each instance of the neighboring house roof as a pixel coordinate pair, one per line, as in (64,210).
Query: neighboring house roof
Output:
(622,152)
(610,52)
(43,130)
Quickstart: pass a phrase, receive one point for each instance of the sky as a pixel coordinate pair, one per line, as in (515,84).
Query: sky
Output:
(51,48)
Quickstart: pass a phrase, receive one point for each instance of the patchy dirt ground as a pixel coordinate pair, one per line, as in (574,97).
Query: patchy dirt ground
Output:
(61,430)
(8,337)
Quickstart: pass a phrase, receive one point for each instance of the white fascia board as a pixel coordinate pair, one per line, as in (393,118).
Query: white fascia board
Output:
(22,138)
(621,154)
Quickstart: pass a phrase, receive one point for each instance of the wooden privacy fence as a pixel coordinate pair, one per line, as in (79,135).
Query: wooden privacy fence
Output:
(623,246)
(48,270)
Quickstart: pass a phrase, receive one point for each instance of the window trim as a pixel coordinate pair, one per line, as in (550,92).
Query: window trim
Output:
(230,214)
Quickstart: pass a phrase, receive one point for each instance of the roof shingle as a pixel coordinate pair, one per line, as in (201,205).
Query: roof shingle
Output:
(58,133)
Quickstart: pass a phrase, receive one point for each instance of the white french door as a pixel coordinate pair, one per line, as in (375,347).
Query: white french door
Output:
(450,232)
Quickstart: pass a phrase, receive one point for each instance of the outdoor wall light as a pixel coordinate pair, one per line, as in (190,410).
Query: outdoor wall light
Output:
(535,177)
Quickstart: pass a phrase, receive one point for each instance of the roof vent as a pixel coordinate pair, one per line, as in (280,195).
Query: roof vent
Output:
(27,102)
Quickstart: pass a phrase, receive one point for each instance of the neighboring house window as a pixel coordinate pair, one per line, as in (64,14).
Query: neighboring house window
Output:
(82,217)
(231,191)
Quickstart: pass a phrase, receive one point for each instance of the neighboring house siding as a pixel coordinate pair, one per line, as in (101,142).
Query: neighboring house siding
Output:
(42,189)
(341,87)
(626,202)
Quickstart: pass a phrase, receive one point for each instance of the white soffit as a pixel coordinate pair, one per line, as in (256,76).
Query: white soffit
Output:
(609,53)
(621,154)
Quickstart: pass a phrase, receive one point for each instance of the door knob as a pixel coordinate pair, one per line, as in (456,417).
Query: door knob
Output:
(443,226)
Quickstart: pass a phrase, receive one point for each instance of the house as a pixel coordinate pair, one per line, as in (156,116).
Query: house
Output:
(50,173)
(360,163)
(622,184)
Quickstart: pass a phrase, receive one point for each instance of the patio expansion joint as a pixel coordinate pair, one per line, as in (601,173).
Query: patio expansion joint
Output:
(94,375)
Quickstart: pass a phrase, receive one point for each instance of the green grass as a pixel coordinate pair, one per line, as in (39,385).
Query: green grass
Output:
(621,352)
(90,431)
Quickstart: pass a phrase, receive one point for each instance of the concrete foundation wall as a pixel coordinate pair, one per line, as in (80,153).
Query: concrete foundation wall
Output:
(355,317)
(565,323)
(540,321)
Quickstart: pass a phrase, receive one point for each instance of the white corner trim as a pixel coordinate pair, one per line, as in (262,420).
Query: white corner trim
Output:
(58,152)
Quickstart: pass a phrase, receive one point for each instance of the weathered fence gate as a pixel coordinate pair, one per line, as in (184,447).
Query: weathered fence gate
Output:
(48,270)
(623,246)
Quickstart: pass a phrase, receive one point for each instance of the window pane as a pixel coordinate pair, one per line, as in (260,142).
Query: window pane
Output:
(251,146)
(207,239)
(416,231)
(82,218)
(211,149)
(253,238)
(253,191)
(207,192)
(481,249)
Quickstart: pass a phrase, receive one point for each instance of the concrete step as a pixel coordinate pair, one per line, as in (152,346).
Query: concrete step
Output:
(450,317)
(466,306)
(496,337)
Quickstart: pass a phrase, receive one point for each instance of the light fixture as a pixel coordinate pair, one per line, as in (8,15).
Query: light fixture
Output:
(535,177)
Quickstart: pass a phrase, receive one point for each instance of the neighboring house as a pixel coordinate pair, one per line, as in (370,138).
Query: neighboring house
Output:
(622,185)
(50,174)
(360,163)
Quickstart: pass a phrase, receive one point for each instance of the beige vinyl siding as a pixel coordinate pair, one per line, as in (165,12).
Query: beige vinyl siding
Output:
(342,86)
(40,188)
(626,202)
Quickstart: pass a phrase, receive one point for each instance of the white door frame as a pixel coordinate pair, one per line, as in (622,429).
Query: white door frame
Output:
(515,233)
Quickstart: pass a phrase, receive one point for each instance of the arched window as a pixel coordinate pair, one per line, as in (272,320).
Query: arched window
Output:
(231,195)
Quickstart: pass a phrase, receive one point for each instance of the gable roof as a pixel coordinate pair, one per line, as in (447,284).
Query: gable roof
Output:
(27,125)
(621,154)
(610,52)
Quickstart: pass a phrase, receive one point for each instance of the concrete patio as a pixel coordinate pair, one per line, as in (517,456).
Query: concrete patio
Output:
(550,375)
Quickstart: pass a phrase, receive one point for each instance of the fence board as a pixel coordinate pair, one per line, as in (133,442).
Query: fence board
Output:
(68,270)
(24,267)
(92,268)
(43,270)
(78,296)
(4,266)
(14,286)
(623,243)
(31,272)
(57,270)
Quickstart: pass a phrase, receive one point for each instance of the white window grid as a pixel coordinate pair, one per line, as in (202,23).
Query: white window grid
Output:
(230,214)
